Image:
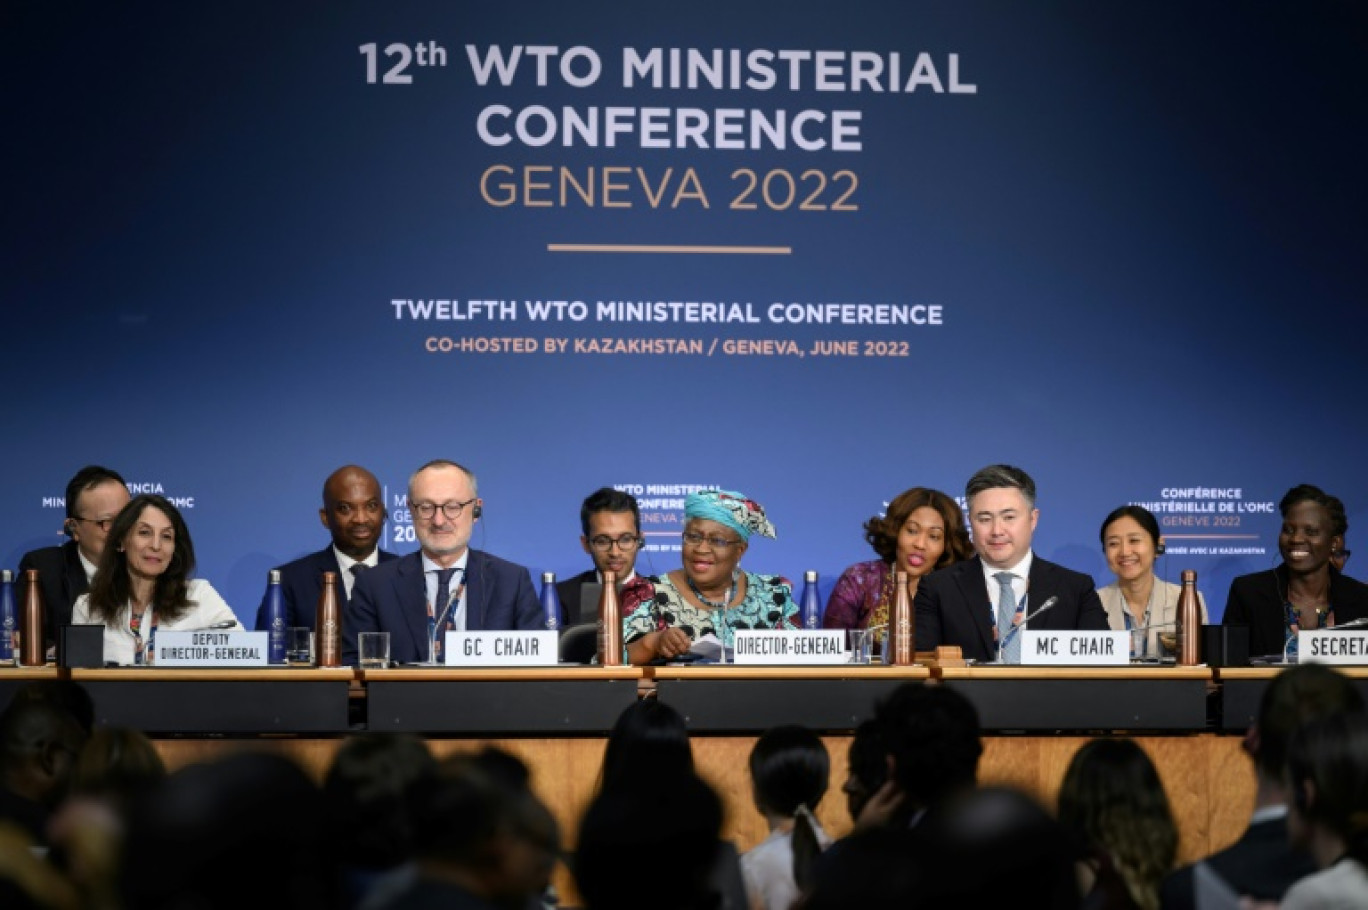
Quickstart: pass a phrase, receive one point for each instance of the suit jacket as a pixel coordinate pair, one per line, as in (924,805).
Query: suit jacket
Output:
(392,598)
(1257,601)
(1260,864)
(954,608)
(573,612)
(63,579)
(301,582)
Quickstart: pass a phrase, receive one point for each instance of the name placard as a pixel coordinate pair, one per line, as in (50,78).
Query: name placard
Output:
(502,649)
(1075,649)
(779,646)
(211,649)
(1326,646)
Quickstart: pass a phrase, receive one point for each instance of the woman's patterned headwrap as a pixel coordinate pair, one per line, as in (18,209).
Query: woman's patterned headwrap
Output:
(744,516)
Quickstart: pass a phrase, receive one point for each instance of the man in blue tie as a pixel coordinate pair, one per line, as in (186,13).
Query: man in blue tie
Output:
(981,604)
(445,586)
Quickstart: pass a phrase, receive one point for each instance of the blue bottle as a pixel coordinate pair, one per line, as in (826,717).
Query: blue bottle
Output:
(551,606)
(275,619)
(9,617)
(811,604)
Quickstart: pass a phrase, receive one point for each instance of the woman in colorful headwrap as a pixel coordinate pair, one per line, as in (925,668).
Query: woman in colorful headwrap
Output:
(665,614)
(923,530)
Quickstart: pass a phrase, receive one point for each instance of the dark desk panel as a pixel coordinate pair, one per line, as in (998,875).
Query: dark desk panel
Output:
(220,701)
(1084,698)
(1242,689)
(554,700)
(753,699)
(12,678)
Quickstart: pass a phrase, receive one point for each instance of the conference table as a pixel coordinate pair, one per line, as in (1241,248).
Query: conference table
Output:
(557,718)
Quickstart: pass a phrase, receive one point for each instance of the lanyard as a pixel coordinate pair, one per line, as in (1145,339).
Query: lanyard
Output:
(447,619)
(1017,619)
(143,653)
(1131,626)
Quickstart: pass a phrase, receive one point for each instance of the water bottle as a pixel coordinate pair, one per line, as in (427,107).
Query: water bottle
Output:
(811,603)
(550,600)
(275,619)
(9,618)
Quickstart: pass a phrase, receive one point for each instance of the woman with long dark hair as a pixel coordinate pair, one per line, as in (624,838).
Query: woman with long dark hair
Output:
(789,769)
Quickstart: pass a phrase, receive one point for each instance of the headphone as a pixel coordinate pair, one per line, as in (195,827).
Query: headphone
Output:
(476,512)
(1159,550)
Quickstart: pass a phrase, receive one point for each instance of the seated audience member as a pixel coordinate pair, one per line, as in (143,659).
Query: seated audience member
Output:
(143,584)
(1327,772)
(93,497)
(922,531)
(867,766)
(70,696)
(1114,805)
(789,770)
(1138,601)
(872,869)
(478,843)
(611,534)
(367,792)
(39,743)
(248,830)
(354,513)
(930,737)
(446,585)
(983,604)
(1304,591)
(1261,865)
(665,614)
(652,845)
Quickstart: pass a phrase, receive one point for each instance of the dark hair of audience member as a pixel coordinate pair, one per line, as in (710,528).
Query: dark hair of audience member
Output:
(790,770)
(111,587)
(70,696)
(649,737)
(117,764)
(932,734)
(246,830)
(867,767)
(1113,803)
(39,742)
(650,846)
(1295,697)
(367,798)
(1327,771)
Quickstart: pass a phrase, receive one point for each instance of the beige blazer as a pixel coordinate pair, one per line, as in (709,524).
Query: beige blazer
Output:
(1163,614)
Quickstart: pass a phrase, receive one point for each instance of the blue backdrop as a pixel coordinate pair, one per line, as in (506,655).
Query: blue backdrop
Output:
(1139,228)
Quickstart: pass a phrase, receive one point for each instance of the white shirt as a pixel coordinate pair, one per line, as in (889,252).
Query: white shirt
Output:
(768,870)
(345,563)
(1343,886)
(206,609)
(458,583)
(1021,574)
(87,565)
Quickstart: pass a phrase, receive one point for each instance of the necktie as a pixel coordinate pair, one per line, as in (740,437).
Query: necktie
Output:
(443,594)
(1006,611)
(357,568)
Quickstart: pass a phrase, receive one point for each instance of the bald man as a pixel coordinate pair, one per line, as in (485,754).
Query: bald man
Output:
(354,513)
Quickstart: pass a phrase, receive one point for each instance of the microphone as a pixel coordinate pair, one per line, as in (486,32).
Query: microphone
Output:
(226,624)
(1352,624)
(1049,604)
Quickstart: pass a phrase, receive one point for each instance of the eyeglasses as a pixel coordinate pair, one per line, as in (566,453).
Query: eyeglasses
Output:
(694,539)
(452,510)
(605,543)
(101,523)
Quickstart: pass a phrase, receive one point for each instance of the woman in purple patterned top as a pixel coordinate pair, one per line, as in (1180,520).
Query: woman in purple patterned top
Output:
(922,531)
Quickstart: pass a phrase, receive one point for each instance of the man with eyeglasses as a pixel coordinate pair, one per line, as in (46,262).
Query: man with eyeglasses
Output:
(354,513)
(611,523)
(94,497)
(445,586)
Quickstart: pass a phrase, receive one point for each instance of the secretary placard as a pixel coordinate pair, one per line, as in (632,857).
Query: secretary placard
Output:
(211,649)
(502,649)
(1326,646)
(1075,649)
(777,646)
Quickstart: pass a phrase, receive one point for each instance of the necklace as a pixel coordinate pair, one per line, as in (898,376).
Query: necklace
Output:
(731,593)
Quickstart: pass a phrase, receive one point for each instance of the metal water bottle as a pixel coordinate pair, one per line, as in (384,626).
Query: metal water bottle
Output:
(275,619)
(609,623)
(328,627)
(9,618)
(1189,622)
(811,603)
(550,601)
(900,632)
(32,644)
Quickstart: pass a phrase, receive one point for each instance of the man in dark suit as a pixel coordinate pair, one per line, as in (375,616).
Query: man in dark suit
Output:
(94,497)
(984,601)
(611,526)
(1262,864)
(445,586)
(354,513)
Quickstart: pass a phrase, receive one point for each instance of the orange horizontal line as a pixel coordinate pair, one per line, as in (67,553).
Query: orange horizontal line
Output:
(667,248)
(1168,536)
